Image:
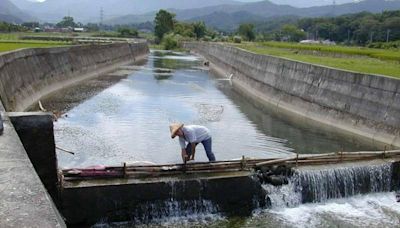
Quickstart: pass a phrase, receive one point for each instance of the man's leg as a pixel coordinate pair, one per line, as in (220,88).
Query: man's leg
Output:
(208,147)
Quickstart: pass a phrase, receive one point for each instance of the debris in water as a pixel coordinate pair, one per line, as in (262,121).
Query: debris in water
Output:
(210,112)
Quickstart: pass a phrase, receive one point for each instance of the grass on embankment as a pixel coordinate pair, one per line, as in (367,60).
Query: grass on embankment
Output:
(11,41)
(12,45)
(365,60)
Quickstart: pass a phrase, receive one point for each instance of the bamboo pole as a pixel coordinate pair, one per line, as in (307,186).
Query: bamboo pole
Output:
(67,151)
(233,165)
(273,162)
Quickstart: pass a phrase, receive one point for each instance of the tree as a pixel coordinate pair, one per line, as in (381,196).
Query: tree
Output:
(91,27)
(164,23)
(327,30)
(247,31)
(292,33)
(7,27)
(183,29)
(31,25)
(170,42)
(128,32)
(66,22)
(199,29)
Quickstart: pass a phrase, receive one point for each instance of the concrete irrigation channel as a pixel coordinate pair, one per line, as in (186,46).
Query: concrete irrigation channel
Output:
(55,189)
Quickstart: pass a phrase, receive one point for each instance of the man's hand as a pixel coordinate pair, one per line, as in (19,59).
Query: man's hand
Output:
(185,157)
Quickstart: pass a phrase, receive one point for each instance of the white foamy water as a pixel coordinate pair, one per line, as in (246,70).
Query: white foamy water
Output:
(372,210)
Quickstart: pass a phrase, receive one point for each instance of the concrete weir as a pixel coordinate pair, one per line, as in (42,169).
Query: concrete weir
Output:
(28,161)
(144,200)
(87,201)
(361,104)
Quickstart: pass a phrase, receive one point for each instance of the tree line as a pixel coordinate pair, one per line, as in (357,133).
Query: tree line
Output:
(360,29)
(353,29)
(8,27)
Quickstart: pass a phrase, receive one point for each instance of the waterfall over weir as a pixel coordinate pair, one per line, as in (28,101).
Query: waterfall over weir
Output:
(314,185)
(192,199)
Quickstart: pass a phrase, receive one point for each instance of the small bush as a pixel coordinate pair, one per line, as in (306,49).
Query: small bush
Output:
(207,38)
(237,39)
(169,42)
(384,45)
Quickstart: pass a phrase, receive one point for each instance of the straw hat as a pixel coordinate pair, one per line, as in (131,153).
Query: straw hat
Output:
(173,128)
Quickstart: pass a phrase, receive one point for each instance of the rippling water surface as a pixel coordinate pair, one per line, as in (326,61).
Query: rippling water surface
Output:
(129,120)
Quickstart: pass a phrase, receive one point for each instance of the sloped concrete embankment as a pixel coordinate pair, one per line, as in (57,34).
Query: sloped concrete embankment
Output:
(362,104)
(27,75)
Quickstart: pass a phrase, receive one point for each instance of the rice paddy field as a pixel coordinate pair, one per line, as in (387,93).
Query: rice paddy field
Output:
(12,41)
(358,59)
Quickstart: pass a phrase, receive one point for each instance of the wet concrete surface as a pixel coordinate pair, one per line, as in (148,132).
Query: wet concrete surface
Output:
(24,200)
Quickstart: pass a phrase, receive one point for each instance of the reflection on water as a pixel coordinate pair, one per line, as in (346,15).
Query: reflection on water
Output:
(303,136)
(129,120)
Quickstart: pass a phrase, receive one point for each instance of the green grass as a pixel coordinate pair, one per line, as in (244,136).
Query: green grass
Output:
(9,45)
(365,60)
(370,52)
(156,46)
(11,41)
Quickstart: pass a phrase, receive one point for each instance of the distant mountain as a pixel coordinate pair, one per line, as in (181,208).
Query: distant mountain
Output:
(373,6)
(228,21)
(89,10)
(129,19)
(228,16)
(262,8)
(310,3)
(269,9)
(229,13)
(12,14)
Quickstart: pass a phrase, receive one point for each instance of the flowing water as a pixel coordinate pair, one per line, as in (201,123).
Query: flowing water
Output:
(328,197)
(127,121)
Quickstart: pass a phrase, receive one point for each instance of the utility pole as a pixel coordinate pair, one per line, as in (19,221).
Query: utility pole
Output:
(371,37)
(334,7)
(387,35)
(101,17)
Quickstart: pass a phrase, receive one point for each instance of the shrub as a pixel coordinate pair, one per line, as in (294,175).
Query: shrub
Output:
(170,42)
(237,39)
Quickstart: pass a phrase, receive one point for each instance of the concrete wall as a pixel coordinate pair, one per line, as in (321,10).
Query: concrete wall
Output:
(24,201)
(27,75)
(37,135)
(367,105)
(85,204)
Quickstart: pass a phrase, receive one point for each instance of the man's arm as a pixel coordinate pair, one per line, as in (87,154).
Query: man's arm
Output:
(193,150)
